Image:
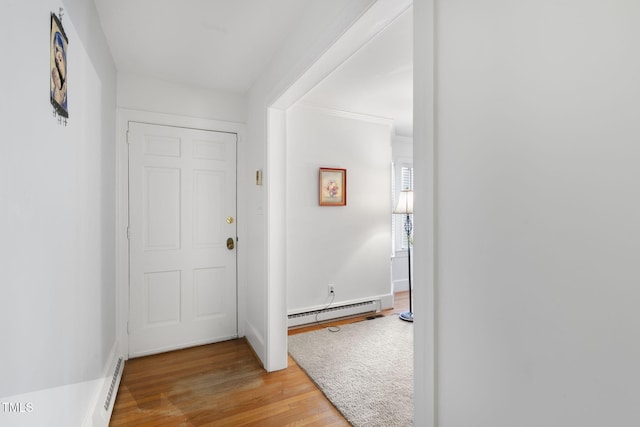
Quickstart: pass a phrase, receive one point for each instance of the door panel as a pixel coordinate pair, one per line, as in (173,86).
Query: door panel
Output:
(161,208)
(182,189)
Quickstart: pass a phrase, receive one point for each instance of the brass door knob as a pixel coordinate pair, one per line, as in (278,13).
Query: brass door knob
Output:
(230,243)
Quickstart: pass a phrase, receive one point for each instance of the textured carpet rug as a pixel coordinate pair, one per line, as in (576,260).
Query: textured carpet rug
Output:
(365,369)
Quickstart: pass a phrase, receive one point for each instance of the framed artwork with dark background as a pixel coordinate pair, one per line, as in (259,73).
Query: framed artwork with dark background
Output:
(58,67)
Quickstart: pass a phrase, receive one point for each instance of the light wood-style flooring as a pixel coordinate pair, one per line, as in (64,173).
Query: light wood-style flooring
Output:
(224,384)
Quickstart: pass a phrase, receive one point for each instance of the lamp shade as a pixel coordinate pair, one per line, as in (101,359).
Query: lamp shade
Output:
(405,203)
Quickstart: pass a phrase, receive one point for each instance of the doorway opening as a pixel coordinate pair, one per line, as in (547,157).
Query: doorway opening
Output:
(372,23)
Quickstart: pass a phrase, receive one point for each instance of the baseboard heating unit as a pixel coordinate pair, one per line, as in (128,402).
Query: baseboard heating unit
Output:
(330,313)
(114,381)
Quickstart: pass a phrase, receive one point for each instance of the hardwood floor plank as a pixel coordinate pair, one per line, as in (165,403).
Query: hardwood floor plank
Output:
(224,384)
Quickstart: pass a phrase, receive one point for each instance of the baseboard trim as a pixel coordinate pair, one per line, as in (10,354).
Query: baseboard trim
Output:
(256,342)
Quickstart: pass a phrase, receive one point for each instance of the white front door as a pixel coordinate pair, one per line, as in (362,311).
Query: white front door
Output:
(182,236)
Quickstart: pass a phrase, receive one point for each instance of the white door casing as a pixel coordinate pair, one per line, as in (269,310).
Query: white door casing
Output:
(182,214)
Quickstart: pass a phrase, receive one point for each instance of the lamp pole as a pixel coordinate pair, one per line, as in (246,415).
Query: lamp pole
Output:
(408,315)
(405,207)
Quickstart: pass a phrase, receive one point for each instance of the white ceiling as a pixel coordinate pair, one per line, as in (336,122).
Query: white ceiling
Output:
(225,45)
(218,44)
(377,80)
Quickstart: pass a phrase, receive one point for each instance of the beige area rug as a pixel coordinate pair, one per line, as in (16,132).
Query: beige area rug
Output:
(365,369)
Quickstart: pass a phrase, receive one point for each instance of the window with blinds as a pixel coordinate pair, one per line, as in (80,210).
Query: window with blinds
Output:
(406,177)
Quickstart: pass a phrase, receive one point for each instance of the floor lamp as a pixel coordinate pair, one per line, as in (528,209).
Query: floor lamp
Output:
(405,207)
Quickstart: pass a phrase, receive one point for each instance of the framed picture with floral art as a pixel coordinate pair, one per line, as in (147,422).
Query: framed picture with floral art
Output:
(333,187)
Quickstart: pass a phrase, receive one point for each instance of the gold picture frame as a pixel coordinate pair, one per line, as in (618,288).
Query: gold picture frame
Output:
(333,187)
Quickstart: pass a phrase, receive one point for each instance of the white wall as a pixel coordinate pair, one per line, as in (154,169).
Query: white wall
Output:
(147,94)
(343,245)
(57,311)
(537,207)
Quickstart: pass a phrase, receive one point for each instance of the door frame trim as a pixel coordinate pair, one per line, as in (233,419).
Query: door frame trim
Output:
(123,117)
